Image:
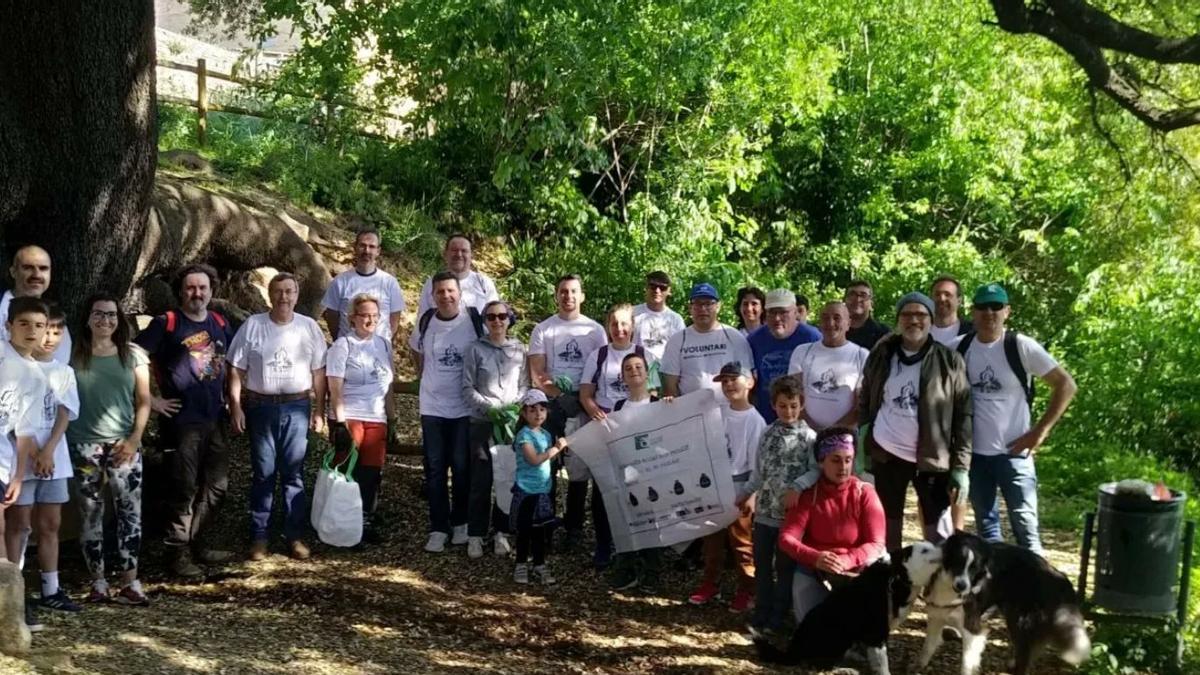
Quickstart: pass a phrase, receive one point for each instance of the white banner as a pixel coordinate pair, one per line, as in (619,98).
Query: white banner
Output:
(663,470)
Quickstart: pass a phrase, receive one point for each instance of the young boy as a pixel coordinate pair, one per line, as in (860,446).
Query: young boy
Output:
(21,392)
(49,468)
(785,463)
(743,429)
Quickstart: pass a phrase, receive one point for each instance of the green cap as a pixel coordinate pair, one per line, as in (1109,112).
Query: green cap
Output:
(992,292)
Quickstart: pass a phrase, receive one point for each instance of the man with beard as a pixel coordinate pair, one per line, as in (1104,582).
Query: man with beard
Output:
(31,277)
(864,331)
(366,278)
(476,288)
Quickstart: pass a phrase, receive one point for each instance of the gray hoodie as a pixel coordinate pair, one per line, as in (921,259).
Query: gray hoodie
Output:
(493,376)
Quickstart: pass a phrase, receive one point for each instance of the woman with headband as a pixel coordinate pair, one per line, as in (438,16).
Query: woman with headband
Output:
(836,528)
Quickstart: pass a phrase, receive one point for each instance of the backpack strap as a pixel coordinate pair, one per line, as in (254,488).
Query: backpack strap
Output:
(965,344)
(601,355)
(422,324)
(476,321)
(171,320)
(1012,354)
(218,318)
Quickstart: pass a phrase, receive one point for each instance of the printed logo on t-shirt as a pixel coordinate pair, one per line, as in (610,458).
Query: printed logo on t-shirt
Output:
(207,356)
(987,382)
(280,366)
(907,400)
(451,357)
(8,406)
(571,353)
(826,383)
(617,386)
(701,351)
(655,334)
(48,408)
(378,371)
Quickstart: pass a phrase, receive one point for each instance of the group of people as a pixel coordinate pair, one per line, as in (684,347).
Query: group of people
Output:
(940,402)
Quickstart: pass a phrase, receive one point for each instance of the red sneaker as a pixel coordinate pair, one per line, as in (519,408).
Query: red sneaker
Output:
(743,601)
(706,593)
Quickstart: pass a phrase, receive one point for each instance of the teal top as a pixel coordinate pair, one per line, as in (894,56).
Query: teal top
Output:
(533,480)
(105,399)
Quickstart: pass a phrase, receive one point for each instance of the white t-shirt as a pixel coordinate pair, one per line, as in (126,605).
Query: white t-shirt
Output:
(629,403)
(476,290)
(610,386)
(743,431)
(895,427)
(441,350)
(696,357)
(278,359)
(652,329)
(831,375)
(22,389)
(62,354)
(566,345)
(945,335)
(379,285)
(60,390)
(997,399)
(365,367)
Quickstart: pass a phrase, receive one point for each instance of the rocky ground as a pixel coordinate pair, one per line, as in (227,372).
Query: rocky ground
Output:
(395,609)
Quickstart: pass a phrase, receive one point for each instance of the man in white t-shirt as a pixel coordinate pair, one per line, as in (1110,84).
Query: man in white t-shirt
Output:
(366,278)
(31,277)
(831,371)
(917,401)
(653,322)
(946,293)
(277,393)
(694,355)
(476,289)
(1004,439)
(558,350)
(445,413)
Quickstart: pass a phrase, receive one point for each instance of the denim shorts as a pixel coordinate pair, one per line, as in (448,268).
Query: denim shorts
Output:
(43,491)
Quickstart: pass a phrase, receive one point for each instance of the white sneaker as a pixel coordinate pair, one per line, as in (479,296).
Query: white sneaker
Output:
(474,547)
(543,573)
(436,543)
(521,573)
(503,545)
(460,535)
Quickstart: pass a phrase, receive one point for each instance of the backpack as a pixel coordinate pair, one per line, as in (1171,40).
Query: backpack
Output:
(1012,355)
(423,323)
(172,319)
(602,354)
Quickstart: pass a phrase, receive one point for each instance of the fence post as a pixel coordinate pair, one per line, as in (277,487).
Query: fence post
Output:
(201,101)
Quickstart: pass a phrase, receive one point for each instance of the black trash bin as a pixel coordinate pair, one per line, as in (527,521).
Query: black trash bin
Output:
(1137,552)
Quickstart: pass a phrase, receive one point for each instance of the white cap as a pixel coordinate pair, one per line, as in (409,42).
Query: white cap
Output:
(534,397)
(780,298)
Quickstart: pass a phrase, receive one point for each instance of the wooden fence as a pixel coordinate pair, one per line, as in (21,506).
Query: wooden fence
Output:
(203,105)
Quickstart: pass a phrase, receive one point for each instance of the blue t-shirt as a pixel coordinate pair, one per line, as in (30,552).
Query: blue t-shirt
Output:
(533,480)
(189,364)
(771,359)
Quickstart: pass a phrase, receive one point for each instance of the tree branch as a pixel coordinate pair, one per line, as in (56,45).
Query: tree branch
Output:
(1106,32)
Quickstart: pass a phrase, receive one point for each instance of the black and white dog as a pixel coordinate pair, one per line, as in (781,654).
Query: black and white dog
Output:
(978,578)
(862,611)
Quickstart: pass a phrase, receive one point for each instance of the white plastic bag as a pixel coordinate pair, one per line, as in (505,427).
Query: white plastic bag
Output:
(340,520)
(321,489)
(504,470)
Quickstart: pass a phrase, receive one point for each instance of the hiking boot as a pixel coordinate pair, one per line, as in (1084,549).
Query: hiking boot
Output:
(648,583)
(743,601)
(212,556)
(460,536)
(602,558)
(298,550)
(132,595)
(521,573)
(623,578)
(258,550)
(705,593)
(474,547)
(183,566)
(437,542)
(60,601)
(544,574)
(31,620)
(502,544)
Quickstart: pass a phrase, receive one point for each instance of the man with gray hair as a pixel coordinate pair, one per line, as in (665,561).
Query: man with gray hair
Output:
(31,277)
(774,343)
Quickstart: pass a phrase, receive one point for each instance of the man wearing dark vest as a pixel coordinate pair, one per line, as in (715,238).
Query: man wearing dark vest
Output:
(864,331)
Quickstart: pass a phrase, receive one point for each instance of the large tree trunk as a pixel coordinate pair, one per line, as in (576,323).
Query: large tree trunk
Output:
(78,138)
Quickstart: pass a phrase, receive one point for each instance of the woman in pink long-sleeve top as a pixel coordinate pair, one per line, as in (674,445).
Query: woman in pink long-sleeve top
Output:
(836,527)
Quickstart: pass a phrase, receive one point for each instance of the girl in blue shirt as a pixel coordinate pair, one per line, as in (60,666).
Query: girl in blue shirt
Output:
(532,508)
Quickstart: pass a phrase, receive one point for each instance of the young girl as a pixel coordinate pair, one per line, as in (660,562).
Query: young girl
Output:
(532,508)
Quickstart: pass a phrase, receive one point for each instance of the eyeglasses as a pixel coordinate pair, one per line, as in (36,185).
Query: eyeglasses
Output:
(865,295)
(989,307)
(496,317)
(704,304)
(100,315)
(915,316)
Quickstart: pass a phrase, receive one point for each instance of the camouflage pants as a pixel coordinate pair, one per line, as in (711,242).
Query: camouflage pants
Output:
(93,470)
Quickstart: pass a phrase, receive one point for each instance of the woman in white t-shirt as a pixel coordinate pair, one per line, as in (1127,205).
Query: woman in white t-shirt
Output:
(602,385)
(358,369)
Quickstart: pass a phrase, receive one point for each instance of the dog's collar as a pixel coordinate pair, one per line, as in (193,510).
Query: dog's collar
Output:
(956,603)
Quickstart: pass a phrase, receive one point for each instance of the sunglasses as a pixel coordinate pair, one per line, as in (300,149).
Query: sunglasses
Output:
(657,287)
(496,317)
(989,307)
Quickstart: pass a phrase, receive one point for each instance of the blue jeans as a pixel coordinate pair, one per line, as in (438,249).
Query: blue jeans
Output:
(278,443)
(773,572)
(1016,479)
(445,442)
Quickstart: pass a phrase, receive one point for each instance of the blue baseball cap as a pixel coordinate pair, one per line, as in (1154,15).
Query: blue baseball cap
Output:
(703,290)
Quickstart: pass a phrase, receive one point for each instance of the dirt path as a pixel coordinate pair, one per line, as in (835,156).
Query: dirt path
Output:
(395,608)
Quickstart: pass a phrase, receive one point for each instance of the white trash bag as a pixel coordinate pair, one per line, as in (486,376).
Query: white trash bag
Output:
(340,519)
(504,470)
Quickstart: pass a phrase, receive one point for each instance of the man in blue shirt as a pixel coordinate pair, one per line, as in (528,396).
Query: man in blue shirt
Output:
(773,344)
